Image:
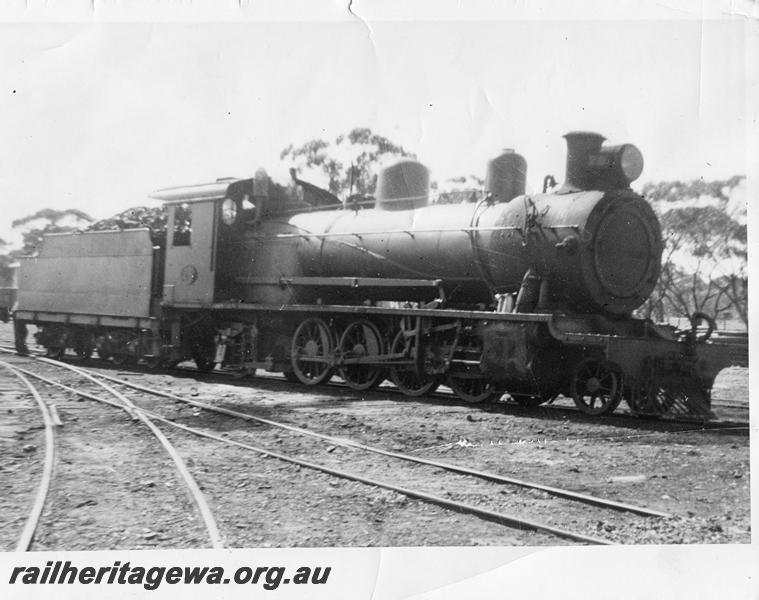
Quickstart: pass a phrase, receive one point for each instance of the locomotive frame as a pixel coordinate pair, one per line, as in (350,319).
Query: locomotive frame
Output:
(241,282)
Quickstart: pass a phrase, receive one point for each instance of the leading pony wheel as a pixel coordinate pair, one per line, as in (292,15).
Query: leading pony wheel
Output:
(596,387)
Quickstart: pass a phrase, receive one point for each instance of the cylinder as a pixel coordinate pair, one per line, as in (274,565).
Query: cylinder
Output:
(402,186)
(506,176)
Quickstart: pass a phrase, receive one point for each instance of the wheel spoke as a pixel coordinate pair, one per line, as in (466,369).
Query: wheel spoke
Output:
(605,395)
(361,339)
(405,377)
(310,352)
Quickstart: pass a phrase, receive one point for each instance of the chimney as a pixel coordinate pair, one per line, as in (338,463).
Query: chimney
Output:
(581,145)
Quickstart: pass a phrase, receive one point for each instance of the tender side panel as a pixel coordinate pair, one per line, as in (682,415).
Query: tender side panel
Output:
(99,273)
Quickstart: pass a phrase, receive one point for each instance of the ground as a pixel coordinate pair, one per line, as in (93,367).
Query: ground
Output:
(114,487)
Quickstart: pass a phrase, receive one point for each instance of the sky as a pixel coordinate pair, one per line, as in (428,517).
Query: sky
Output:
(96,114)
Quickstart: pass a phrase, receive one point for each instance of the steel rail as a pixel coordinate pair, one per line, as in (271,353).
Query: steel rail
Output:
(125,404)
(705,425)
(503,518)
(555,491)
(559,492)
(27,535)
(450,396)
(708,426)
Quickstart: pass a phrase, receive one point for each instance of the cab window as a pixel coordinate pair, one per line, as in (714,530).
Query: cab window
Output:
(182,225)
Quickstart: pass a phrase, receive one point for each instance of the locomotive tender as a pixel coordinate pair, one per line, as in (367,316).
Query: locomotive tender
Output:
(530,294)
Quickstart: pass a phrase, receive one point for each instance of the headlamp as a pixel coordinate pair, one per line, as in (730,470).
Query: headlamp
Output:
(228,211)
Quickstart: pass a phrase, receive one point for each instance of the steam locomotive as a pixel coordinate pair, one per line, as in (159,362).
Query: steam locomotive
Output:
(530,294)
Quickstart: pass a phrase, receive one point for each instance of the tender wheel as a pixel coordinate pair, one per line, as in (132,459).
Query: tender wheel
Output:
(84,350)
(311,352)
(203,355)
(405,378)
(55,352)
(153,362)
(85,353)
(596,387)
(119,359)
(361,339)
(84,345)
(104,347)
(473,389)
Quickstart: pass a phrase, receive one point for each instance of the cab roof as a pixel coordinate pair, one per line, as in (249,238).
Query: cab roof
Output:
(195,193)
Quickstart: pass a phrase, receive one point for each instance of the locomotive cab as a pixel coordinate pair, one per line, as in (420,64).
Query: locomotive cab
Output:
(190,244)
(205,225)
(208,253)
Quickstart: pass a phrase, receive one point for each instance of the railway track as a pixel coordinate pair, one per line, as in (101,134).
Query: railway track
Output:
(49,420)
(121,402)
(560,409)
(557,407)
(348,443)
(482,512)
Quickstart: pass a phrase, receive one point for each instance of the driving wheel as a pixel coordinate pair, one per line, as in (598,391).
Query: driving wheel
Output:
(473,389)
(405,377)
(361,340)
(311,352)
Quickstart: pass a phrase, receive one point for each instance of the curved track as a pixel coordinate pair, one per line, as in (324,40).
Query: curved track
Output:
(484,513)
(27,535)
(478,511)
(451,397)
(138,414)
(551,407)
(405,489)
(559,492)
